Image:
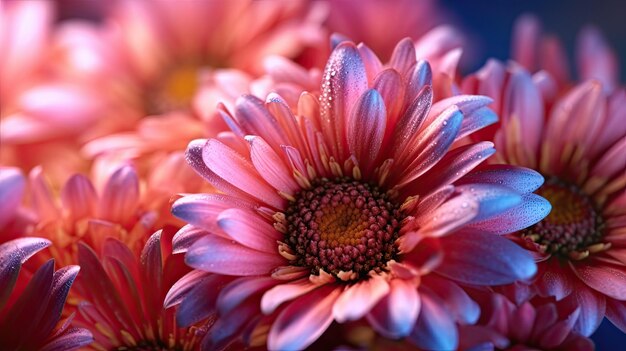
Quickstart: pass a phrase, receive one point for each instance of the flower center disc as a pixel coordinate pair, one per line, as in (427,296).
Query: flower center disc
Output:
(342,226)
(572,225)
(175,89)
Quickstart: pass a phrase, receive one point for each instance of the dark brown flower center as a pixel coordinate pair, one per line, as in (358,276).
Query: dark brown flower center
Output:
(573,225)
(342,226)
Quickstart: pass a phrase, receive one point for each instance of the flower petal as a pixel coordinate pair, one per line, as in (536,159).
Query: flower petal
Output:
(608,280)
(218,255)
(395,314)
(120,197)
(239,290)
(484,259)
(270,166)
(358,299)
(249,229)
(12,184)
(285,292)
(520,179)
(304,320)
(435,329)
(366,128)
(533,209)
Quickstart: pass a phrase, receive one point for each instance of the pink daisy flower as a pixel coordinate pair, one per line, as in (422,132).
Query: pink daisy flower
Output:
(540,325)
(31,303)
(577,141)
(121,296)
(355,207)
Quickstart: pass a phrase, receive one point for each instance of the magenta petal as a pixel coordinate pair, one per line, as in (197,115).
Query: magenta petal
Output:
(403,56)
(12,255)
(303,320)
(484,259)
(270,166)
(199,301)
(366,127)
(227,327)
(344,80)
(12,184)
(455,298)
(239,172)
(185,237)
(255,119)
(218,255)
(395,314)
(592,308)
(71,339)
(201,210)
(435,329)
(62,281)
(493,200)
(250,230)
(608,280)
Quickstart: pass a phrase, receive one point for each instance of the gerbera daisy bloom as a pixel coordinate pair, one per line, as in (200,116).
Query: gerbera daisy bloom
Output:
(577,142)
(354,208)
(31,303)
(116,203)
(122,294)
(540,325)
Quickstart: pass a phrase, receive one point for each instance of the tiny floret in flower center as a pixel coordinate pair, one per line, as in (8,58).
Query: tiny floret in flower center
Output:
(342,225)
(572,226)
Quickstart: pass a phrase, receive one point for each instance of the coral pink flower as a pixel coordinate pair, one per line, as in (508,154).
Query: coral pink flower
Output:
(595,59)
(577,142)
(31,304)
(541,325)
(354,208)
(122,294)
(116,203)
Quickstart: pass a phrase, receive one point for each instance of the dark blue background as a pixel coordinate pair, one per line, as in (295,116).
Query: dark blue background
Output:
(489,24)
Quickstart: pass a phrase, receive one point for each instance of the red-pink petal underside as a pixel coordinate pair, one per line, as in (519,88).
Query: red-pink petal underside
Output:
(358,299)
(395,314)
(120,197)
(607,280)
(271,167)
(303,320)
(285,292)
(366,128)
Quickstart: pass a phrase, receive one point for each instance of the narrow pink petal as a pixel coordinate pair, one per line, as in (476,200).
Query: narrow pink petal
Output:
(218,255)
(366,128)
(241,289)
(371,61)
(395,314)
(616,313)
(520,179)
(181,288)
(62,281)
(420,76)
(596,59)
(12,255)
(304,320)
(250,230)
(410,122)
(430,202)
(455,164)
(450,216)
(431,144)
(592,307)
(524,318)
(403,56)
(199,301)
(120,196)
(477,120)
(43,201)
(270,166)
(532,209)
(608,280)
(344,80)
(12,184)
(552,281)
(255,119)
(79,196)
(358,299)
(239,172)
(152,267)
(285,292)
(484,259)
(389,84)
(201,210)
(185,237)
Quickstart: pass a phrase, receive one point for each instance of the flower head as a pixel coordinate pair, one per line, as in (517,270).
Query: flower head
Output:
(122,296)
(31,303)
(358,206)
(577,141)
(541,325)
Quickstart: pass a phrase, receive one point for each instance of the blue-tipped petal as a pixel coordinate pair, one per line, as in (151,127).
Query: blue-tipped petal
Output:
(520,179)
(484,259)
(435,329)
(493,200)
(531,210)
